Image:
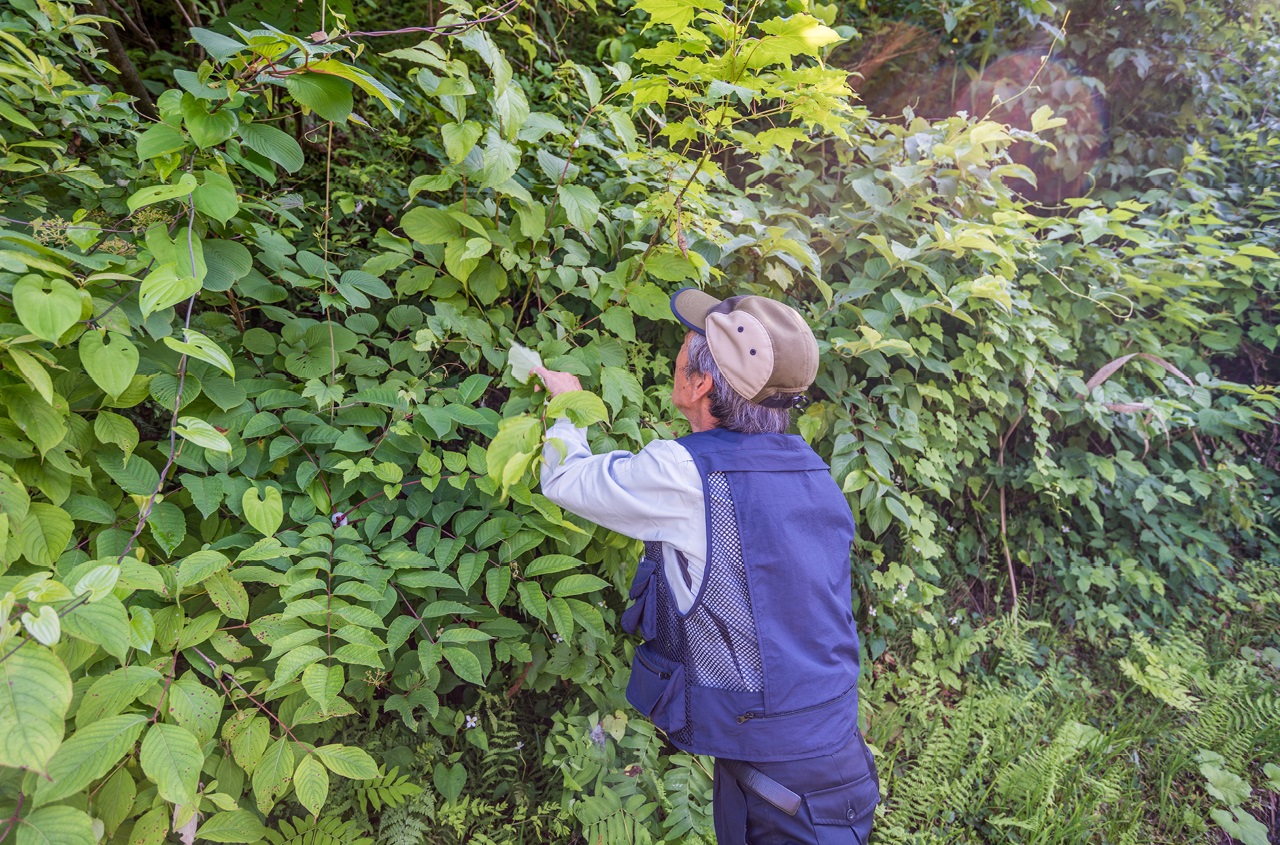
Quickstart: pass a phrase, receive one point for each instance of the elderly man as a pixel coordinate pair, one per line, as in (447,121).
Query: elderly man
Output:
(750,652)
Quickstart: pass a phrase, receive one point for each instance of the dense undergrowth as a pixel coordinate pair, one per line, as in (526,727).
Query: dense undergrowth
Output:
(273,566)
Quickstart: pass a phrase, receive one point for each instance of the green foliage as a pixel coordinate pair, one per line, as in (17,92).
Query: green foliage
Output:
(272,563)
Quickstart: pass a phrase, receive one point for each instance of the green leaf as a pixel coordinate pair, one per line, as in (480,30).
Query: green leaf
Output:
(114,799)
(574,585)
(199,346)
(797,35)
(198,566)
(429,226)
(266,513)
(159,140)
(44,627)
(233,826)
(532,599)
(460,138)
(581,407)
(229,595)
(113,429)
(45,533)
(98,582)
(677,14)
(56,826)
(112,365)
(311,783)
(46,307)
(103,623)
(153,194)
(323,684)
(348,761)
(35,692)
(561,617)
(581,205)
(208,129)
(276,145)
(216,197)
(202,434)
(513,449)
(521,360)
(218,46)
(34,373)
(90,753)
(324,94)
(115,691)
(171,757)
(465,665)
(548,564)
(273,774)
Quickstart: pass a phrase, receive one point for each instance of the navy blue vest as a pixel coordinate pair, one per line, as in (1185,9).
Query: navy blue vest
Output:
(764,665)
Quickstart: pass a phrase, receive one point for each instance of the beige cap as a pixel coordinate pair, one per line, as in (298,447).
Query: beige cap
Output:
(765,349)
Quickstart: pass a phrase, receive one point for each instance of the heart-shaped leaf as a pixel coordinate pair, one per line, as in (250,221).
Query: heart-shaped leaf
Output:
(264,514)
(110,359)
(47,307)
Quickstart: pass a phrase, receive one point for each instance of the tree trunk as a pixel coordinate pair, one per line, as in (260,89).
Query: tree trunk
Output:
(128,74)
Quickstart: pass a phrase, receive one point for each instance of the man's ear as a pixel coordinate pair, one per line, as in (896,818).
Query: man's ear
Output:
(700,384)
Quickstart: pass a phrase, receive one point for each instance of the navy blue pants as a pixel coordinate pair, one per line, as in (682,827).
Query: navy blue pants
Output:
(840,793)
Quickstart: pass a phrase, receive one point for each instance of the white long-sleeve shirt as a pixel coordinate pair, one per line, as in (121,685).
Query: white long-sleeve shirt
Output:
(653,495)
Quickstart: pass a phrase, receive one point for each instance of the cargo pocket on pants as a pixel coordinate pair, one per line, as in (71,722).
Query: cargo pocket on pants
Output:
(844,810)
(656,689)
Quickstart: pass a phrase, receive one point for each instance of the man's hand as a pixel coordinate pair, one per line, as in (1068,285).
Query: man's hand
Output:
(556,381)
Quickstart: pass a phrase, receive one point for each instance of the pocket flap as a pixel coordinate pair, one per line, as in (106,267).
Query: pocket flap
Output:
(656,689)
(846,804)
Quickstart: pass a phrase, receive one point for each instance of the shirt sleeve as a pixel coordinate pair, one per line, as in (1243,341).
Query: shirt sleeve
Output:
(653,495)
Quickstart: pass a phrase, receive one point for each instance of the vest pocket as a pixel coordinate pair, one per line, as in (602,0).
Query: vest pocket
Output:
(656,689)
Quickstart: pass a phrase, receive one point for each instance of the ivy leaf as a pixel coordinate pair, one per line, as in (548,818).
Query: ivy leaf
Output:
(113,365)
(208,129)
(36,694)
(46,307)
(266,513)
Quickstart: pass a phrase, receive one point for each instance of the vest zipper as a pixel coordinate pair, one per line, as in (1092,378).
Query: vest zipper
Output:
(751,714)
(661,674)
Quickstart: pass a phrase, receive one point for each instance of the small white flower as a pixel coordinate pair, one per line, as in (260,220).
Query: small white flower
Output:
(519,745)
(896,597)
(1066,529)
(954,620)
(472,721)
(557,638)
(950,529)
(871,611)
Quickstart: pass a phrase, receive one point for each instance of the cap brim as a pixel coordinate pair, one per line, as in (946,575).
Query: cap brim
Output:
(691,307)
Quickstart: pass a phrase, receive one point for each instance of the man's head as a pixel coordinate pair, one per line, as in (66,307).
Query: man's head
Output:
(745,362)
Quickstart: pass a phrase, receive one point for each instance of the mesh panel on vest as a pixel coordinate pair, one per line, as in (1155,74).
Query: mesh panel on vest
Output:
(717,639)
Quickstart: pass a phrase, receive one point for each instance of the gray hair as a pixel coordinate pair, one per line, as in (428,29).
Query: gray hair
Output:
(731,410)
